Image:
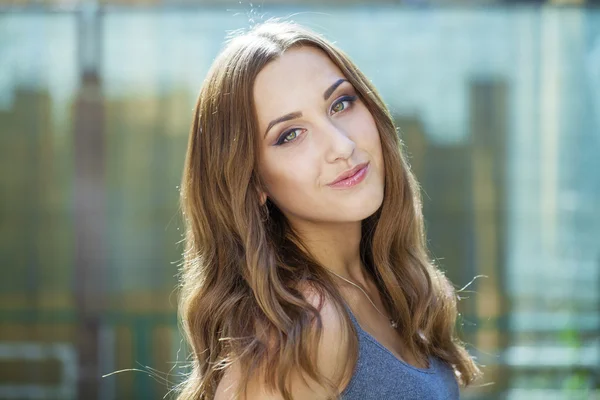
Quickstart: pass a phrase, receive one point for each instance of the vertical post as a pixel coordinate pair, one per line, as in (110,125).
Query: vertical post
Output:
(89,202)
(489,157)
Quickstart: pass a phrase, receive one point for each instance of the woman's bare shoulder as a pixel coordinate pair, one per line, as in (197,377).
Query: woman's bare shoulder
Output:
(332,362)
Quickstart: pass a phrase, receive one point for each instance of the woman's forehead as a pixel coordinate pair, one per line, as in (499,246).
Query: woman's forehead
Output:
(297,66)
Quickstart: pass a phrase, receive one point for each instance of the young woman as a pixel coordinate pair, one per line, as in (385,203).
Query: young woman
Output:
(306,274)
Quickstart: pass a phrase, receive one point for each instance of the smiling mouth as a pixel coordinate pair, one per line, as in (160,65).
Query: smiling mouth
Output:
(349,181)
(348,174)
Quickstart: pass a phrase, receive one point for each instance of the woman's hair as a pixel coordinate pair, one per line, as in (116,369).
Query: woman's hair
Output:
(243,267)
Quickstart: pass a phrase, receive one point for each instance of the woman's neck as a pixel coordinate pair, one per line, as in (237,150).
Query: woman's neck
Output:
(336,247)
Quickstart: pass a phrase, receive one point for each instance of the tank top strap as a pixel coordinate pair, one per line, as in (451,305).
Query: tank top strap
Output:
(353,318)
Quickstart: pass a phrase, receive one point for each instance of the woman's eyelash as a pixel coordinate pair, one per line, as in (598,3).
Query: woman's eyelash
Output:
(281,139)
(281,142)
(342,99)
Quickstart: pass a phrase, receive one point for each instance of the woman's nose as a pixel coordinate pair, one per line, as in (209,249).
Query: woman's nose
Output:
(337,142)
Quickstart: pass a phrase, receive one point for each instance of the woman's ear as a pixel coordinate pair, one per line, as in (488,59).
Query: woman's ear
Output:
(262,196)
(261,190)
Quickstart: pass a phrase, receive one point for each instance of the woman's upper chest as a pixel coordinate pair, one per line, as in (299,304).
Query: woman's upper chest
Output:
(378,326)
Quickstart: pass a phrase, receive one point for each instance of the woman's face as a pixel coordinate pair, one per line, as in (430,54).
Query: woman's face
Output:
(312,128)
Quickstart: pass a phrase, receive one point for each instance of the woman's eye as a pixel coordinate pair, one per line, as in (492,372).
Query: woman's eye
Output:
(289,136)
(342,104)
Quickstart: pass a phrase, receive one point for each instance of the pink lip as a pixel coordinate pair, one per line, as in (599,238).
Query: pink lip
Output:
(351,178)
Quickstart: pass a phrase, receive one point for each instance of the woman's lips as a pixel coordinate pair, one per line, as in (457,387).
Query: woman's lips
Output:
(353,180)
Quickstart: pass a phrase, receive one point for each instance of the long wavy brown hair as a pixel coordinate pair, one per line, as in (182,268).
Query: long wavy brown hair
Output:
(243,263)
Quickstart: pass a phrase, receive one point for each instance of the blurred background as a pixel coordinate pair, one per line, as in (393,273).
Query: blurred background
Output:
(497,101)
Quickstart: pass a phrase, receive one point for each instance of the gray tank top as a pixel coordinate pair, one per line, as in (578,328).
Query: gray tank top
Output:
(380,375)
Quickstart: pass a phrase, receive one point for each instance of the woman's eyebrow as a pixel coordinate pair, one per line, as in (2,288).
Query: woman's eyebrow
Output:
(298,114)
(284,118)
(332,88)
